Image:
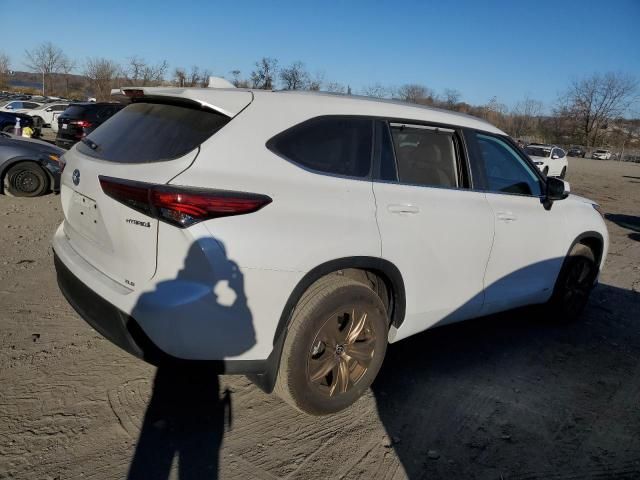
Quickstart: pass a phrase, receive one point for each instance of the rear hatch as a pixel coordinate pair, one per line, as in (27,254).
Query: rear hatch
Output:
(72,121)
(151,141)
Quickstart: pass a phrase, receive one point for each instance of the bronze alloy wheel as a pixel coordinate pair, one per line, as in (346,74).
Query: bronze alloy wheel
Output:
(342,351)
(334,345)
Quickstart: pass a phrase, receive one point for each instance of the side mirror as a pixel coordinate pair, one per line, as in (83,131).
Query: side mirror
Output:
(48,110)
(9,107)
(554,157)
(556,190)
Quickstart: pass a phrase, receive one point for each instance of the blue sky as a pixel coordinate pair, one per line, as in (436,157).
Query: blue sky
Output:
(506,49)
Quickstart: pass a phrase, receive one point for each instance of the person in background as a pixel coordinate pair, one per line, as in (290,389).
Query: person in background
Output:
(27,132)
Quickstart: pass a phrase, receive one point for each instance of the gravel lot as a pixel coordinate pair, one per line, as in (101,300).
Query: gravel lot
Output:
(510,396)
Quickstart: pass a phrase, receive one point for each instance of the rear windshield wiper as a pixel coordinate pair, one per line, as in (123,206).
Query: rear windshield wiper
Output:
(90,143)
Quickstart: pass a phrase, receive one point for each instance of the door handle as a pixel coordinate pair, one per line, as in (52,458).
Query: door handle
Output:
(398,208)
(506,216)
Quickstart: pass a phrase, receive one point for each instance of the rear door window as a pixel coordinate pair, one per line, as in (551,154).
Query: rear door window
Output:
(334,145)
(151,132)
(425,155)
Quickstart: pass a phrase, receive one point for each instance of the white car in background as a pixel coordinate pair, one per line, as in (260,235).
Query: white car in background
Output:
(550,159)
(293,235)
(601,155)
(13,105)
(45,115)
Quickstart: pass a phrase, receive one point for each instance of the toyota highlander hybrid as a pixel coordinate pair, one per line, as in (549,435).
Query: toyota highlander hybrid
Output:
(292,236)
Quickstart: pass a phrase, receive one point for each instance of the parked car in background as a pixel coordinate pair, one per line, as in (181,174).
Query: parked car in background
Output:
(8,121)
(550,159)
(80,119)
(601,154)
(292,236)
(13,105)
(44,115)
(576,151)
(28,167)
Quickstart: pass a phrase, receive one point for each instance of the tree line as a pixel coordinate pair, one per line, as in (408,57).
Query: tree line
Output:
(589,112)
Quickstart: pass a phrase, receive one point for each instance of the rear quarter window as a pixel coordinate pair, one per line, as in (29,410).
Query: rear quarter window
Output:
(151,132)
(332,145)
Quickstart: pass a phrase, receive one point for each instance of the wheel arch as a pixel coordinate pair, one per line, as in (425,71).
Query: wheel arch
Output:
(383,269)
(592,239)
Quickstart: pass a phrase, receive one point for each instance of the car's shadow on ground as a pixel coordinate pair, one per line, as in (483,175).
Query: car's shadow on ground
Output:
(629,222)
(516,395)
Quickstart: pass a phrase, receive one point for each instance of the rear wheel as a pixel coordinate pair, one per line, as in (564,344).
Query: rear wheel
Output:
(334,346)
(8,128)
(26,179)
(574,284)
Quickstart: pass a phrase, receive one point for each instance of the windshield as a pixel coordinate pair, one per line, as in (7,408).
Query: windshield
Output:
(538,151)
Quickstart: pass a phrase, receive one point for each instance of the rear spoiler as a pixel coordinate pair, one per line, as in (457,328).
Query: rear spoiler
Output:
(228,101)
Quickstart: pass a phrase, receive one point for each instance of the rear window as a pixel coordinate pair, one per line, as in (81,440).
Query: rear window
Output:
(334,145)
(76,111)
(151,132)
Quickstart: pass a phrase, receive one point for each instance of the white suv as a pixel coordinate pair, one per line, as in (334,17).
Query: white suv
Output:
(46,115)
(550,160)
(291,236)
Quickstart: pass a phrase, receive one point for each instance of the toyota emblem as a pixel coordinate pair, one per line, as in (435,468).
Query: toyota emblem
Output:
(75,176)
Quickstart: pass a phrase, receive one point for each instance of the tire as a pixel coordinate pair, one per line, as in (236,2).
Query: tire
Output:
(545,171)
(563,172)
(323,332)
(26,179)
(574,285)
(8,128)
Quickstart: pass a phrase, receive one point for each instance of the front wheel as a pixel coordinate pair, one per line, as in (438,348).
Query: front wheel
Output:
(545,172)
(26,179)
(334,346)
(563,173)
(574,284)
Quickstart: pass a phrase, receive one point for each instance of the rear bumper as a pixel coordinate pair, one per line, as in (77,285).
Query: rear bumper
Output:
(113,324)
(125,331)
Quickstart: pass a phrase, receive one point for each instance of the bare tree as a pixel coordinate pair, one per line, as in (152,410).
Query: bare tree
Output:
(140,73)
(315,83)
(415,93)
(265,73)
(335,87)
(204,78)
(45,59)
(237,80)
(524,117)
(5,65)
(377,90)
(451,97)
(101,73)
(180,77)
(194,77)
(294,77)
(596,100)
(66,67)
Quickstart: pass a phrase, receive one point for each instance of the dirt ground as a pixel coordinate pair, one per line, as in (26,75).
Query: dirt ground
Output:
(509,396)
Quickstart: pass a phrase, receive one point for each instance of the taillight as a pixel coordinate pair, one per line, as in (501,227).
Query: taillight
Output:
(81,123)
(181,206)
